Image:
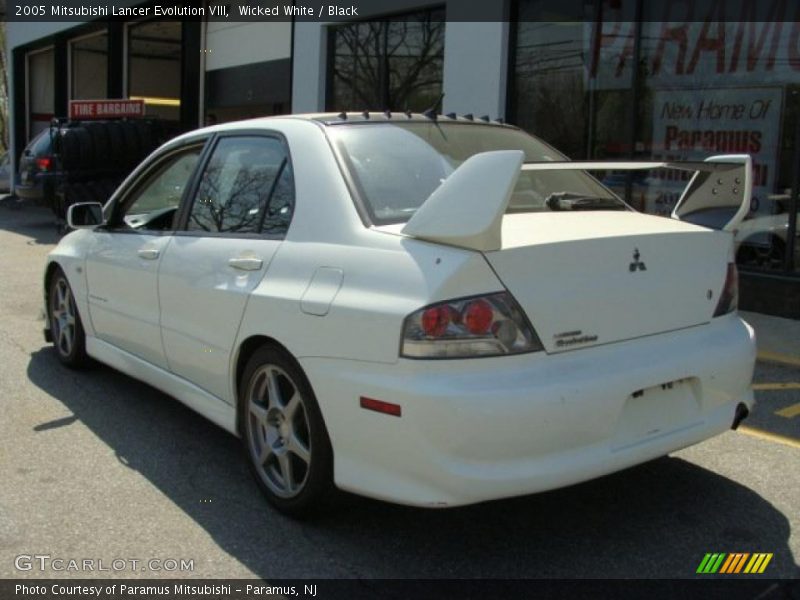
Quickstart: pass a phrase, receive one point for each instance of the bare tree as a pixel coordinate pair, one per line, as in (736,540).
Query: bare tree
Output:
(387,64)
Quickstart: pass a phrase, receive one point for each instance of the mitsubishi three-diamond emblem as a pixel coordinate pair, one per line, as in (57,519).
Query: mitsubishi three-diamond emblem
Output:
(637,264)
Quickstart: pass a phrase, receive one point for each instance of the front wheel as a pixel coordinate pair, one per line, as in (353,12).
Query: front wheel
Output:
(66,328)
(283,433)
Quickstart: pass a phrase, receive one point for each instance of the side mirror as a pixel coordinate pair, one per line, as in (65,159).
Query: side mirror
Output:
(85,215)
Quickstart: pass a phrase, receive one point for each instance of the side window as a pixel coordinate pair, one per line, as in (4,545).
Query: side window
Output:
(154,202)
(247,187)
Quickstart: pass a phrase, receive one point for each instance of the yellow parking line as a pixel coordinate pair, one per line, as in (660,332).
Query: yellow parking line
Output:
(785,359)
(776,386)
(769,436)
(790,411)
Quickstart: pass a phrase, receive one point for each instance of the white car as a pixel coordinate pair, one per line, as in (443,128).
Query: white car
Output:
(427,310)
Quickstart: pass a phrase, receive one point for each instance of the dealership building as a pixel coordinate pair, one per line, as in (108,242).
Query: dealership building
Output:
(598,79)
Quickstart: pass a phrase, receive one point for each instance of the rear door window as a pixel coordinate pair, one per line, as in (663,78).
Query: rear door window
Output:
(247,187)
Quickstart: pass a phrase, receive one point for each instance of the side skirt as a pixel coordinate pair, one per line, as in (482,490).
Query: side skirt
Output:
(215,410)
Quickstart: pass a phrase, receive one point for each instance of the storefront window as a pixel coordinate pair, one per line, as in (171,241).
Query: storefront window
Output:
(40,90)
(599,84)
(715,88)
(562,90)
(393,64)
(89,67)
(154,67)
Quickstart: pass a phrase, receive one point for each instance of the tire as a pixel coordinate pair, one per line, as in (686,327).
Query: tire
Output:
(131,144)
(87,157)
(145,131)
(101,143)
(117,141)
(283,433)
(69,338)
(70,150)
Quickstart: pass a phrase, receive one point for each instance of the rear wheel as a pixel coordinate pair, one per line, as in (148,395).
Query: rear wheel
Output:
(283,433)
(66,328)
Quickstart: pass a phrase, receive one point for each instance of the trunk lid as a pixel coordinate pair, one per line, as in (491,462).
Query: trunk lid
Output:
(591,278)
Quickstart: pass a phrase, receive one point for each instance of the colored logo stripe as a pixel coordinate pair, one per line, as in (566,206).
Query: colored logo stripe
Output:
(711,563)
(734,563)
(758,563)
(720,562)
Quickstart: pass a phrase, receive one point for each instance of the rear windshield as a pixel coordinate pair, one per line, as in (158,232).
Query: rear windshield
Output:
(396,166)
(40,145)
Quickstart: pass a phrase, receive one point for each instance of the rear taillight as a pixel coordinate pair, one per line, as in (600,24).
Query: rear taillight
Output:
(489,325)
(729,299)
(44,163)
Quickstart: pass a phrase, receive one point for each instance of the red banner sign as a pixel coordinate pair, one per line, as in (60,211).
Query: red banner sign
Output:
(105,109)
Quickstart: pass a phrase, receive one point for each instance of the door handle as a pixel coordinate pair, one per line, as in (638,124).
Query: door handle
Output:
(246,263)
(148,253)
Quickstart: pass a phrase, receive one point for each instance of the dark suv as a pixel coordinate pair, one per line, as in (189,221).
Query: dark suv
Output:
(78,161)
(37,170)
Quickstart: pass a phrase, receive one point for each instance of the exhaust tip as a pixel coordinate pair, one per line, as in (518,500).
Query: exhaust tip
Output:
(741,414)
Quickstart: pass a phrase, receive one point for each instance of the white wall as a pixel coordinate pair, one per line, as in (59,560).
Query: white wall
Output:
(475,73)
(310,57)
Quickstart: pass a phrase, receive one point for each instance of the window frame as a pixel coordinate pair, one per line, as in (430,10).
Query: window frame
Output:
(182,220)
(122,198)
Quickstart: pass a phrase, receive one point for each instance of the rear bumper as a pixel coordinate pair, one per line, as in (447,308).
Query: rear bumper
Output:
(29,192)
(480,429)
(40,188)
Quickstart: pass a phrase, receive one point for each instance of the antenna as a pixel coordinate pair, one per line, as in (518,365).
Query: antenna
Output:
(431,112)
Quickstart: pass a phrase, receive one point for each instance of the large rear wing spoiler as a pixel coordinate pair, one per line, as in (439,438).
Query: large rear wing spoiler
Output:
(467,209)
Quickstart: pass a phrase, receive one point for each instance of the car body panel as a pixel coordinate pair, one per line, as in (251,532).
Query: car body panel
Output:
(202,299)
(478,429)
(193,396)
(123,292)
(615,286)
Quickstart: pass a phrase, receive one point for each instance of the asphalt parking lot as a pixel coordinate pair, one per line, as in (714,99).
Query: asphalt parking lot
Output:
(97,465)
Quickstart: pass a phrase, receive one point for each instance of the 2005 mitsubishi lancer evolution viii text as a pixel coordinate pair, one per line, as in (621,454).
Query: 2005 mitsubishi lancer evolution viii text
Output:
(430,310)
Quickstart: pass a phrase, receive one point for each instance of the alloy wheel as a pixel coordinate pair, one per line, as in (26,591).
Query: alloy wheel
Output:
(279,437)
(63,321)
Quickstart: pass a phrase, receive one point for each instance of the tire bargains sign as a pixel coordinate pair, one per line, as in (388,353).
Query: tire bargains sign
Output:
(694,124)
(105,109)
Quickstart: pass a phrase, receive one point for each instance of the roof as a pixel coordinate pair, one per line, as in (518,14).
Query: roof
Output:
(389,116)
(341,118)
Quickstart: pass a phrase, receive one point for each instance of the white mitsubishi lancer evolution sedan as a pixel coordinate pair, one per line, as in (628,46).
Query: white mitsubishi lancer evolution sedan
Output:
(430,310)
